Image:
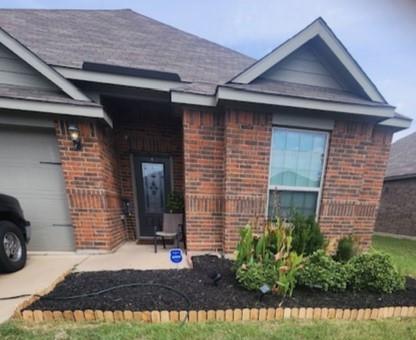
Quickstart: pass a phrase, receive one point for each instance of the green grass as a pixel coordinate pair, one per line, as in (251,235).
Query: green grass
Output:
(386,329)
(403,252)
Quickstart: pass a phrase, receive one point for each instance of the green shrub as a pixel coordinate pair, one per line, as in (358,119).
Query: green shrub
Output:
(375,272)
(346,249)
(322,272)
(175,203)
(252,276)
(307,236)
(267,258)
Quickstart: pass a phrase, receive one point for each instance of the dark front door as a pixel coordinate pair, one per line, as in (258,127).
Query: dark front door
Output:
(153,186)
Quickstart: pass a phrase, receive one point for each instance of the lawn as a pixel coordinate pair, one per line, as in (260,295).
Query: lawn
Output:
(402,251)
(386,329)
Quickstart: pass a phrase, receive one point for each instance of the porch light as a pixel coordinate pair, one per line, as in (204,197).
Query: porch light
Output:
(75,136)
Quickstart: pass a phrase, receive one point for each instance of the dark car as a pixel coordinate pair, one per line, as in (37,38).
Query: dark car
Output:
(14,234)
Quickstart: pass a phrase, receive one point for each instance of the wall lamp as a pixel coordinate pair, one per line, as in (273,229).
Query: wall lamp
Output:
(75,136)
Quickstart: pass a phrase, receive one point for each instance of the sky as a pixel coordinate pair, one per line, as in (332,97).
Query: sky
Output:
(380,34)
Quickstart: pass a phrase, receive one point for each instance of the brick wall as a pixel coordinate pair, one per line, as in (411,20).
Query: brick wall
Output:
(92,185)
(203,143)
(226,173)
(225,158)
(247,152)
(227,167)
(356,163)
(158,133)
(397,213)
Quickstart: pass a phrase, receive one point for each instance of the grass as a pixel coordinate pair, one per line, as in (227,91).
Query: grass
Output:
(385,329)
(403,252)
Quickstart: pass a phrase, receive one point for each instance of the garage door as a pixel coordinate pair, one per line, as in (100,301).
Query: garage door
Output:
(30,170)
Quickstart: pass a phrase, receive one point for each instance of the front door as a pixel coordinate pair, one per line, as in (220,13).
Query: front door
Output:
(153,187)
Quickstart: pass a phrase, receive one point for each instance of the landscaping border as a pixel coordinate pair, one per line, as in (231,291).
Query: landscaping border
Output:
(245,314)
(193,316)
(36,296)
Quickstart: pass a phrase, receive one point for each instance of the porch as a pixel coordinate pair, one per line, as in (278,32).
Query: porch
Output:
(132,256)
(148,147)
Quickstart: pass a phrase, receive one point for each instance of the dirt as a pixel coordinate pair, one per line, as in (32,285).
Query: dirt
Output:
(197,285)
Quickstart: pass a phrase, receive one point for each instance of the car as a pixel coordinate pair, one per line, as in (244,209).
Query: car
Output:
(15,233)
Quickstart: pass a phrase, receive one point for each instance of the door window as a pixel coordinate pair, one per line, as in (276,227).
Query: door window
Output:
(153,187)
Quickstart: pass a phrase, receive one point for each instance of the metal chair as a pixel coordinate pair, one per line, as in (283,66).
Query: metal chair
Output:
(172,228)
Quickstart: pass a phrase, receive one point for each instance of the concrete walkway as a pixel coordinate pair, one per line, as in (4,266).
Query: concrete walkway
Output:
(43,269)
(40,272)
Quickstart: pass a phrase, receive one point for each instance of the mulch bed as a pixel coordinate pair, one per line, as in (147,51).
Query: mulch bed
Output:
(196,284)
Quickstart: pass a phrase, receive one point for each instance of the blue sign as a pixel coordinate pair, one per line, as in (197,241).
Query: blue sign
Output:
(175,255)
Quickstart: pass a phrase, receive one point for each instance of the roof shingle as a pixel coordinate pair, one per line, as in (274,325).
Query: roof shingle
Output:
(303,91)
(402,162)
(40,95)
(123,38)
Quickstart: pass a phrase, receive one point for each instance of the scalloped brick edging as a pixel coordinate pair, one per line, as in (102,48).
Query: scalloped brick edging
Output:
(245,314)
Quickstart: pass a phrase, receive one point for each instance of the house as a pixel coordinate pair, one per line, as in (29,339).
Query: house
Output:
(104,112)
(397,213)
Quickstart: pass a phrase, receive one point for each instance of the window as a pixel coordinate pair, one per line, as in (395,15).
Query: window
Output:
(296,171)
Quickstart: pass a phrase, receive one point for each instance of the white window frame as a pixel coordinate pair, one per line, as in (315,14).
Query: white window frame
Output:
(318,190)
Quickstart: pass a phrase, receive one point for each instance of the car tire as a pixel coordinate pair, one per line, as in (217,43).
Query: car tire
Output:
(12,247)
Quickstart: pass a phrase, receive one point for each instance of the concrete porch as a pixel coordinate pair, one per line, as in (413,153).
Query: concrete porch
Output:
(132,256)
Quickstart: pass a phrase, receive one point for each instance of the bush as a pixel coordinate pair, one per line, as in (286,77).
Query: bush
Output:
(175,203)
(267,258)
(252,276)
(307,237)
(346,249)
(322,272)
(375,272)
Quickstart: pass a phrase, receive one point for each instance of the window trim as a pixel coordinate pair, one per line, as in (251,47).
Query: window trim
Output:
(319,189)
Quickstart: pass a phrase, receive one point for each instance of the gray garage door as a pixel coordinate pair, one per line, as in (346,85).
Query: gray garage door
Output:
(30,170)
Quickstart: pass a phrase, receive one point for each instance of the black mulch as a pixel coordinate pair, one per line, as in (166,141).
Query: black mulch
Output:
(196,284)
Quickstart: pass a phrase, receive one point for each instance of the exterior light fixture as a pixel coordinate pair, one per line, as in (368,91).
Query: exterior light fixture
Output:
(215,277)
(75,136)
(264,289)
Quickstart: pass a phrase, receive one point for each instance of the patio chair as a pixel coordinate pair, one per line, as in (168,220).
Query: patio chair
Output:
(172,228)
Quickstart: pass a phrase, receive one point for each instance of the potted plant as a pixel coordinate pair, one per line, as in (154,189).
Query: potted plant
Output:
(175,204)
(174,211)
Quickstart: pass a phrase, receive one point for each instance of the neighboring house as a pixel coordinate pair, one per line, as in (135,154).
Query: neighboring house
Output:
(159,109)
(397,212)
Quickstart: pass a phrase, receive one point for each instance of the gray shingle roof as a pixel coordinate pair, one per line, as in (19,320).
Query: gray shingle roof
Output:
(120,37)
(125,38)
(40,95)
(303,91)
(284,89)
(402,162)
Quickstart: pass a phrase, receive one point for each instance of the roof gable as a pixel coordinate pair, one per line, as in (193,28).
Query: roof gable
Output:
(314,56)
(303,67)
(14,71)
(31,70)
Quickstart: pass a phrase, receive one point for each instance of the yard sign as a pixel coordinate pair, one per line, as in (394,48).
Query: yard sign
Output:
(175,255)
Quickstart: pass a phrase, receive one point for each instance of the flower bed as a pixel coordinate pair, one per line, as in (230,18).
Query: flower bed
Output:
(226,301)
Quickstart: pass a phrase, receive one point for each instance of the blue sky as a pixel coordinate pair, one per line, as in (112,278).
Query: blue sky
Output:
(380,34)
